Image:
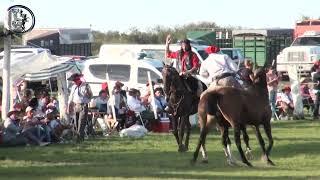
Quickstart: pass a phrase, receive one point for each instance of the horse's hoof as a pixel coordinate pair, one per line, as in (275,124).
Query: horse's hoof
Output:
(205,161)
(248,164)
(192,162)
(249,155)
(181,148)
(231,162)
(269,162)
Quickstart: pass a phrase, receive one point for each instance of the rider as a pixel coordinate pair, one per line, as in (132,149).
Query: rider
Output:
(189,63)
(219,68)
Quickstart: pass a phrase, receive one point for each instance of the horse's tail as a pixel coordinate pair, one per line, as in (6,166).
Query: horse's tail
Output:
(208,105)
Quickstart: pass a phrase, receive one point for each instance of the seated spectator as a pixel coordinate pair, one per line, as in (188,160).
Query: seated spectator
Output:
(34,104)
(159,99)
(102,101)
(287,102)
(12,135)
(305,93)
(135,104)
(33,125)
(55,128)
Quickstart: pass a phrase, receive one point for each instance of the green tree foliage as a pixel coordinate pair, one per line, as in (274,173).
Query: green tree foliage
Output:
(154,35)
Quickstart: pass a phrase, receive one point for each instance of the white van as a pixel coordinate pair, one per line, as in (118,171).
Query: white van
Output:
(132,73)
(151,51)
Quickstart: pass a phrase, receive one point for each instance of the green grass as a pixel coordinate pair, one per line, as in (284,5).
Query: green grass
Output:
(295,153)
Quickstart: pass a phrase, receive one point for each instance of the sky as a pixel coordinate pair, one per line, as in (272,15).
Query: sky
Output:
(120,15)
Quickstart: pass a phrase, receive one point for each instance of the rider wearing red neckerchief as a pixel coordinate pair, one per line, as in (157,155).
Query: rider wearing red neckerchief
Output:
(189,62)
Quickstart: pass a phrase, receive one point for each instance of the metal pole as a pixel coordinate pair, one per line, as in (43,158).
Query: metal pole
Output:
(6,76)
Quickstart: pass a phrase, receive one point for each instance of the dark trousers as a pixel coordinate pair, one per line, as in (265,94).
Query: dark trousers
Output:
(316,105)
(81,119)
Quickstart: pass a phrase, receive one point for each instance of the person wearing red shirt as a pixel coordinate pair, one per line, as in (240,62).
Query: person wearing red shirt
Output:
(188,60)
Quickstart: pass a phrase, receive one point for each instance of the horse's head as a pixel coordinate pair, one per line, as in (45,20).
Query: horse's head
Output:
(170,75)
(260,78)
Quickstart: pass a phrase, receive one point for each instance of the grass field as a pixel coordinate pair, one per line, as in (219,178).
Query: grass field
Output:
(296,155)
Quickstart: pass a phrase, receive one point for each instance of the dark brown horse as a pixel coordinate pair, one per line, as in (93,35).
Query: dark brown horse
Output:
(182,104)
(238,108)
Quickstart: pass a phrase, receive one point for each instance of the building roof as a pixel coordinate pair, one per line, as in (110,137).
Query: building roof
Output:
(66,35)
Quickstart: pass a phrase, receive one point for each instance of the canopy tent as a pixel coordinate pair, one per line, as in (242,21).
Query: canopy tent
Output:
(41,67)
(49,72)
(30,63)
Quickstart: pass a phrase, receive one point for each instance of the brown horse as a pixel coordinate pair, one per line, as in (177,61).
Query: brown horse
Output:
(182,103)
(238,108)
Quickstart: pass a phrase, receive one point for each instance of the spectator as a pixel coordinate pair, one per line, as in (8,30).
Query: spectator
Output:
(272,82)
(31,129)
(119,99)
(316,80)
(160,101)
(12,135)
(305,93)
(247,74)
(287,102)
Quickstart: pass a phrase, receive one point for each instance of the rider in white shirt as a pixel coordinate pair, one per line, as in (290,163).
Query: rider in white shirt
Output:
(219,68)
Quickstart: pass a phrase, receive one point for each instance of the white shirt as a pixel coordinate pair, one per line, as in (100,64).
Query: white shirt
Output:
(135,105)
(287,98)
(78,94)
(216,64)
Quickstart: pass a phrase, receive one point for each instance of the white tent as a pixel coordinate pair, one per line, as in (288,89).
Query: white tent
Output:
(41,67)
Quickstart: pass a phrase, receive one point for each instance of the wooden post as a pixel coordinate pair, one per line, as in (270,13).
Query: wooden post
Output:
(153,103)
(6,76)
(111,98)
(62,95)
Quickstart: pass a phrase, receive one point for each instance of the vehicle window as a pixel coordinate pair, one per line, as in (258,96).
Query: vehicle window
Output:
(143,76)
(227,52)
(203,54)
(116,72)
(307,41)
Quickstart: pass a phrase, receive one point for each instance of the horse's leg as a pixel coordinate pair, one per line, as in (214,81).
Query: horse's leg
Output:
(201,144)
(261,142)
(246,141)
(226,144)
(237,134)
(188,125)
(181,133)
(267,129)
(174,122)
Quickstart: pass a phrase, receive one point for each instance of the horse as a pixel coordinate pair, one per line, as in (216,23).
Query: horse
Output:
(182,103)
(248,107)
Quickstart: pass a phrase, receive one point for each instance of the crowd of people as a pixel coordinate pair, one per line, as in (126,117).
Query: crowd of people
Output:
(35,117)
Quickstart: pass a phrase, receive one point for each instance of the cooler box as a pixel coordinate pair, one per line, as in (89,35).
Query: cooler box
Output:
(162,126)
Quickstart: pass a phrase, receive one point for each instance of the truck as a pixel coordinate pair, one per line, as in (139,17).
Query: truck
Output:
(303,52)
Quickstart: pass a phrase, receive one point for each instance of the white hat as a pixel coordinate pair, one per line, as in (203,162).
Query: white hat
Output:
(29,108)
(48,111)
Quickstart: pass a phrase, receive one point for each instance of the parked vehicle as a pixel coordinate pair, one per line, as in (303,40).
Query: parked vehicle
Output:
(306,25)
(262,45)
(304,51)
(130,72)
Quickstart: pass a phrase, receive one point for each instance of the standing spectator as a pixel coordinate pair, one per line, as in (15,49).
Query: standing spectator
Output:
(78,101)
(316,80)
(272,82)
(119,98)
